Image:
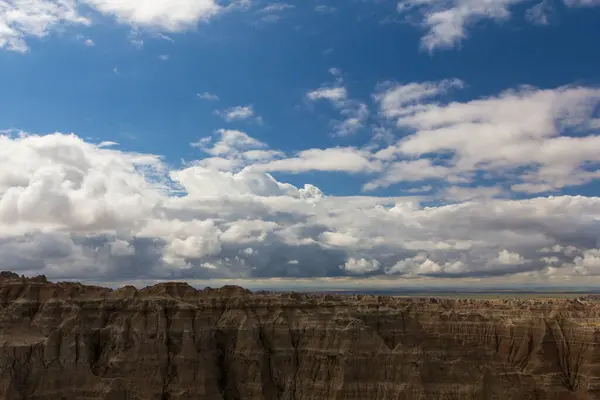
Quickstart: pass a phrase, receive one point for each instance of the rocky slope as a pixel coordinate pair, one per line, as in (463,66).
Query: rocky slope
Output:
(170,341)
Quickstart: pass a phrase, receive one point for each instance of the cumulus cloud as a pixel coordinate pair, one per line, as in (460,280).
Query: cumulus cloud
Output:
(529,140)
(20,19)
(69,208)
(422,265)
(505,257)
(233,150)
(447,22)
(361,266)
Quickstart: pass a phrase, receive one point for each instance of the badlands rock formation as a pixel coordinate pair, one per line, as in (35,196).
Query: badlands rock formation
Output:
(171,341)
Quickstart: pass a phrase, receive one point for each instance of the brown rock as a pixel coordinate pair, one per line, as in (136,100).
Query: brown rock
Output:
(171,341)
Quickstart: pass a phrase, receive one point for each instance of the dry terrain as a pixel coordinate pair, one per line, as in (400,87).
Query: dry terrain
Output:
(171,341)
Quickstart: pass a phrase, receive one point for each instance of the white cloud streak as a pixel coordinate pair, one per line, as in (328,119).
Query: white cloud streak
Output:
(354,113)
(276,7)
(208,96)
(238,113)
(333,94)
(447,21)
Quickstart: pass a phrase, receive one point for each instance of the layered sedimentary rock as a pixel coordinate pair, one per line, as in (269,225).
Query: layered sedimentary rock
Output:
(171,341)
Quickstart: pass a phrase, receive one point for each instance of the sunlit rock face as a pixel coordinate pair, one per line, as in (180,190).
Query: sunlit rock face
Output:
(171,341)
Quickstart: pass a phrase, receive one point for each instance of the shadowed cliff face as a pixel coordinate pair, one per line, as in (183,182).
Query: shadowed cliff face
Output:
(170,341)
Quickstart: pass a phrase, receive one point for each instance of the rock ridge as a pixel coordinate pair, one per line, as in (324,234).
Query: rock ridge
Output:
(67,340)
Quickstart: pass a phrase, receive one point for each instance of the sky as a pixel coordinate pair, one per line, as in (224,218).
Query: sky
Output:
(354,143)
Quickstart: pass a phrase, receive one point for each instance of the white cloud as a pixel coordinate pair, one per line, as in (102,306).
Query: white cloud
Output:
(21,19)
(361,266)
(335,159)
(588,263)
(467,193)
(230,142)
(74,209)
(233,150)
(522,138)
(60,181)
(236,113)
(135,39)
(171,16)
(89,42)
(333,94)
(335,72)
(354,113)
(275,7)
(137,43)
(505,257)
(163,57)
(447,21)
(208,96)
(409,171)
(121,248)
(165,37)
(396,99)
(422,265)
(107,143)
(274,12)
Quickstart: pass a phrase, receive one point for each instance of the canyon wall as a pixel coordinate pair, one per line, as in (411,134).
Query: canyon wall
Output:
(171,341)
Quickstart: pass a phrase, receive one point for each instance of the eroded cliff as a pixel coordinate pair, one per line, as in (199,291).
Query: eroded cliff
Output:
(171,341)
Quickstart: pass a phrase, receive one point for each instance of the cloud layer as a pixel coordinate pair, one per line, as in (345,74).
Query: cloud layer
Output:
(74,209)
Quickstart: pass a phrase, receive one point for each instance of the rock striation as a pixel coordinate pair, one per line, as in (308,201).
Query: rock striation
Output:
(171,341)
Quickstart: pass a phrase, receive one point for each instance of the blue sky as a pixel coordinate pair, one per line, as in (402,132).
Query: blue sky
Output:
(421,103)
